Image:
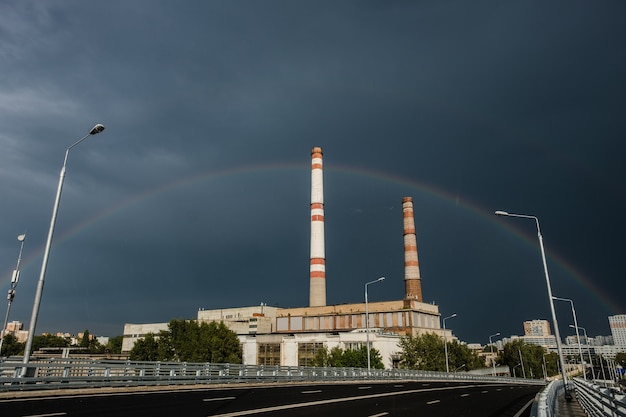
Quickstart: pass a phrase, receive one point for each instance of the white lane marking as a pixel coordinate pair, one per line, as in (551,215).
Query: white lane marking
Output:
(335,400)
(398,386)
(47,415)
(433,402)
(365,387)
(520,412)
(465,395)
(219,399)
(379,415)
(311,392)
(484,392)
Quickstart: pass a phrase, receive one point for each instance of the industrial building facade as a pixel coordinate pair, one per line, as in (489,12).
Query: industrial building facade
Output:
(292,336)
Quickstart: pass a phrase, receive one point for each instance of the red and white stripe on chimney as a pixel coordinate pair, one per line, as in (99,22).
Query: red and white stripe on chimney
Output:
(317,274)
(412,279)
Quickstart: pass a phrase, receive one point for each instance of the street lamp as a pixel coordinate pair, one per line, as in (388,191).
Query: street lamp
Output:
(593,372)
(493,360)
(445,339)
(14,279)
(33,319)
(580,349)
(545,269)
(367,324)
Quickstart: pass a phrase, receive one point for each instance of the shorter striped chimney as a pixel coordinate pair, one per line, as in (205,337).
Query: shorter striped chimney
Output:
(412,279)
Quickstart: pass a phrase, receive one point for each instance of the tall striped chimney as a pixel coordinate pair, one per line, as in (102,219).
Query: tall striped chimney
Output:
(412,279)
(317,275)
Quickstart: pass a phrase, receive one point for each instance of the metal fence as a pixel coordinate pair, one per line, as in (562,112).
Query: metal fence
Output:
(80,373)
(600,398)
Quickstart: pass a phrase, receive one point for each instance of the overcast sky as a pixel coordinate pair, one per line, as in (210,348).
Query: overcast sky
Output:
(197,193)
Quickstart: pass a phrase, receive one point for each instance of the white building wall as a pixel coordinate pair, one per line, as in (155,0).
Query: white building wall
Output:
(289,351)
(617,324)
(249,349)
(134,332)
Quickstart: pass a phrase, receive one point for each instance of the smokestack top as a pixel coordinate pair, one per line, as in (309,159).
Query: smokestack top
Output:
(407,199)
(316,149)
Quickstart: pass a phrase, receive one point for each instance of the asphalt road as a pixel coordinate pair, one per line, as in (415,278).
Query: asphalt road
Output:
(458,399)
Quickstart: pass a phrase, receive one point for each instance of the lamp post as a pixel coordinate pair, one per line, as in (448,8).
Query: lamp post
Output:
(33,319)
(593,372)
(580,349)
(493,360)
(14,280)
(445,339)
(367,323)
(602,367)
(545,269)
(521,361)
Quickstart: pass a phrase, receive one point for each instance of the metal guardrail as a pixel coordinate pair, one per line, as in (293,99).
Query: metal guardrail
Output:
(546,400)
(600,400)
(81,373)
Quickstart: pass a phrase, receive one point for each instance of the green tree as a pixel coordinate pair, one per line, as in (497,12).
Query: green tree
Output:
(85,340)
(532,356)
(114,344)
(145,349)
(551,363)
(427,352)
(190,341)
(49,340)
(90,343)
(620,358)
(10,345)
(351,358)
(462,357)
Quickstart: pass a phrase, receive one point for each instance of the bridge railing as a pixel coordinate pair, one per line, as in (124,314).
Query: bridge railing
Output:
(600,398)
(72,373)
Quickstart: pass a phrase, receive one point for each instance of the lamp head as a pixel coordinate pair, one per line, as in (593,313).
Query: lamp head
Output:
(21,238)
(96,129)
(501,213)
(381,279)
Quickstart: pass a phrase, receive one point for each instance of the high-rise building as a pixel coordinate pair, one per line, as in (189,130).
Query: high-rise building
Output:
(617,324)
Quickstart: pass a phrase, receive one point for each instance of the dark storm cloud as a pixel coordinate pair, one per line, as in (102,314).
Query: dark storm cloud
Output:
(197,193)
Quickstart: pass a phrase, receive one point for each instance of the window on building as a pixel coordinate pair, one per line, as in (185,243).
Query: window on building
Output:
(307,351)
(354,345)
(269,354)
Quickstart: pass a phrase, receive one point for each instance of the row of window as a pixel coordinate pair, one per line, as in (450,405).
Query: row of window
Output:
(355,321)
(269,353)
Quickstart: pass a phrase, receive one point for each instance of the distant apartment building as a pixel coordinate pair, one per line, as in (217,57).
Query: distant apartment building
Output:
(537,328)
(16,328)
(617,324)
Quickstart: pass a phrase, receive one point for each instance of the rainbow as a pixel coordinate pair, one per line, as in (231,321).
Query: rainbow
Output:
(484,214)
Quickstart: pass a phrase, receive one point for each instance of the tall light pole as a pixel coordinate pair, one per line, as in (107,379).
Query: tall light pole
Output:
(580,349)
(545,269)
(445,339)
(493,360)
(14,280)
(593,372)
(42,275)
(367,323)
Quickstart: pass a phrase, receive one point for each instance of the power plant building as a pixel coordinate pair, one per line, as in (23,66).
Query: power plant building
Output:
(291,336)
